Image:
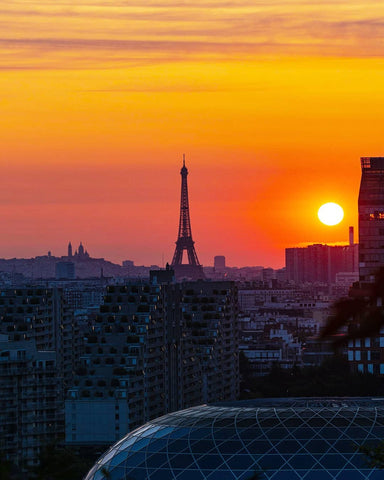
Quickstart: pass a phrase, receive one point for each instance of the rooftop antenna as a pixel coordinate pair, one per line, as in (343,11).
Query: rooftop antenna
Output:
(183,159)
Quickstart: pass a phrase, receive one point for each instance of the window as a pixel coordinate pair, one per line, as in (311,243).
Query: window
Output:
(375,356)
(377,215)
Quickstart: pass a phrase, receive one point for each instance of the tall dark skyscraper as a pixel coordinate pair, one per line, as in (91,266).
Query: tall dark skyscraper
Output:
(191,270)
(371,217)
(367,355)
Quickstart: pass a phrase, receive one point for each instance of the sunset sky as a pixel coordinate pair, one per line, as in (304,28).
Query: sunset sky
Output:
(273,102)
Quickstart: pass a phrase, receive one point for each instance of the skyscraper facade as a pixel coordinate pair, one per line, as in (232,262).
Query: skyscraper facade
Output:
(371,218)
(367,355)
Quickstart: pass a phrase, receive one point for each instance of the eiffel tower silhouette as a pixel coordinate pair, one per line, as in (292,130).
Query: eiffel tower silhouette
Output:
(192,270)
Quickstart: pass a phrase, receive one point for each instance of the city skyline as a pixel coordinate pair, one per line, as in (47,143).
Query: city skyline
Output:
(273,105)
(110,253)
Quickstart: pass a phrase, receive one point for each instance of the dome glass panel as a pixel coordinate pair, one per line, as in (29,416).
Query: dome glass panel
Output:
(264,439)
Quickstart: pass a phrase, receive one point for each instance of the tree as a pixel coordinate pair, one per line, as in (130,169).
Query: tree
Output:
(332,378)
(5,470)
(10,471)
(105,472)
(362,313)
(374,455)
(254,476)
(61,463)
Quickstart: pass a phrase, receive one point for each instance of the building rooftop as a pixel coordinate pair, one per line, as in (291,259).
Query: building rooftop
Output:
(372,163)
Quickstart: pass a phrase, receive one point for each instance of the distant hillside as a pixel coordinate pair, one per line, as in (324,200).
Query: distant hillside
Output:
(44,267)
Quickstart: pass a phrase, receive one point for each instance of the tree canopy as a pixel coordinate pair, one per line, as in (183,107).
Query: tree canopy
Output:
(361,314)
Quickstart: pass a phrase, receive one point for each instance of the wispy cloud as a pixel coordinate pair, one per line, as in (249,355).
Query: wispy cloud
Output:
(98,34)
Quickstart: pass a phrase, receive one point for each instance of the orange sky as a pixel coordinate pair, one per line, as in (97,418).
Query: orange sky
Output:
(273,103)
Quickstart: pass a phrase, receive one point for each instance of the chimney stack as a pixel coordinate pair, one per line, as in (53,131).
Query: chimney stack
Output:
(351,240)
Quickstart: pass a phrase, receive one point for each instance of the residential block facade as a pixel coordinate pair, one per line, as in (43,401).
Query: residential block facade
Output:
(154,348)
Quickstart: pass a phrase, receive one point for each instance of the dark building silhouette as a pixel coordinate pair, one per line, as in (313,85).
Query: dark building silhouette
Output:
(162,276)
(81,253)
(371,217)
(65,270)
(31,413)
(367,355)
(320,263)
(40,346)
(219,262)
(154,347)
(351,236)
(69,250)
(192,270)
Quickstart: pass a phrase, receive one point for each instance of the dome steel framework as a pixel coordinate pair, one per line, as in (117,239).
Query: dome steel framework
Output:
(278,439)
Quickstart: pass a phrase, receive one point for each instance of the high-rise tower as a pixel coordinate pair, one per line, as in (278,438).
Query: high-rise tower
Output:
(367,355)
(371,217)
(193,269)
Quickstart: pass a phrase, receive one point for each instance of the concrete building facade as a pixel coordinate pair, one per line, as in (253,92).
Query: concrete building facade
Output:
(320,263)
(371,217)
(37,364)
(154,348)
(30,401)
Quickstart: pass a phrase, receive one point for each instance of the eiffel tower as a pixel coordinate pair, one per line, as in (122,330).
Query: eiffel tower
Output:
(192,270)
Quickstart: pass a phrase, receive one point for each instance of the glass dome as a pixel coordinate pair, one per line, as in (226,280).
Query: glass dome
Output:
(269,439)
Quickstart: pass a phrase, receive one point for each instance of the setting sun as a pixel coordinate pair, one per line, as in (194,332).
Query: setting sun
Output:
(330,214)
